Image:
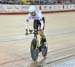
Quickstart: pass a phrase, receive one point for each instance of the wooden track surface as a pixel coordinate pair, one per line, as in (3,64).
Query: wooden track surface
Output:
(15,45)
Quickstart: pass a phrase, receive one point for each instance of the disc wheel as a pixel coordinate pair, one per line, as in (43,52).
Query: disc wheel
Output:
(34,50)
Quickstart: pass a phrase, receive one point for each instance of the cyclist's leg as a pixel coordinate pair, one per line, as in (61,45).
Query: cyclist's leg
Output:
(35,26)
(43,37)
(36,29)
(44,22)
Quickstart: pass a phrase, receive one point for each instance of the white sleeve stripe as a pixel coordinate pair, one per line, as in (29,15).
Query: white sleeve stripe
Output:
(42,24)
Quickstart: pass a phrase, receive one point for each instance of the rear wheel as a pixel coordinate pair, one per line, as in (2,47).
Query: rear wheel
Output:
(44,50)
(34,50)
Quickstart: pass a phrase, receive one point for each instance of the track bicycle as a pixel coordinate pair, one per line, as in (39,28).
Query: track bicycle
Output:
(35,44)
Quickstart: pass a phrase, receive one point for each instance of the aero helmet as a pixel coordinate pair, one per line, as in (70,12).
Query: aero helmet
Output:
(32,8)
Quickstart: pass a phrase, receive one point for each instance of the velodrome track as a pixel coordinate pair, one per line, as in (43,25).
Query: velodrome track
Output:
(15,45)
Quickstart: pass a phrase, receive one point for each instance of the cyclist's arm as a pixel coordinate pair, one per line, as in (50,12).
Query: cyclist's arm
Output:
(26,22)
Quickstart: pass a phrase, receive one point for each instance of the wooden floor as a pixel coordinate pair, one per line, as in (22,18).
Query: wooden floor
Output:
(15,45)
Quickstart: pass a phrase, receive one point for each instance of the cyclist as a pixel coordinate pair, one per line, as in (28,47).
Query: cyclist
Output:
(39,21)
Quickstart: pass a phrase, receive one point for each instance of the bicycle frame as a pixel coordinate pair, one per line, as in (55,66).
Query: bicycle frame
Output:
(36,37)
(35,32)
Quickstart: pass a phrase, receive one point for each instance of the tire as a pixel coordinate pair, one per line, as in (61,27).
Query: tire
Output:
(34,50)
(44,51)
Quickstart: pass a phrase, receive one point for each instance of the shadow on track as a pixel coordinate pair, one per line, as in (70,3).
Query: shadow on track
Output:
(37,63)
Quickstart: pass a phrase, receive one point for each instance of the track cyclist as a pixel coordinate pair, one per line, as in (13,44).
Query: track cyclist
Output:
(39,21)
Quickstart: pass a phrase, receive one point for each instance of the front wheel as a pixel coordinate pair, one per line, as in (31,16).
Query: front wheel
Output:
(34,50)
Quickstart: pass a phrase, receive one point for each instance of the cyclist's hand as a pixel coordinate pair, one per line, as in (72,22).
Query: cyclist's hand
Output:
(26,32)
(30,31)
